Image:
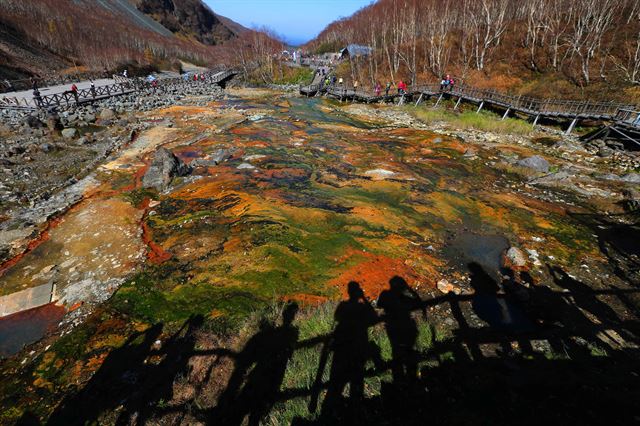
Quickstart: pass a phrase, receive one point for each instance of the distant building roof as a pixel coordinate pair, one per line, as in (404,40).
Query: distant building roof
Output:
(355,50)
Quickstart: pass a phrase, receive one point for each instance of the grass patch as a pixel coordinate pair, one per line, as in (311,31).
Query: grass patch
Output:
(484,121)
(301,75)
(302,369)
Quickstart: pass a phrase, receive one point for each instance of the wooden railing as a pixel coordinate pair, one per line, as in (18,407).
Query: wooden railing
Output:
(628,117)
(121,86)
(526,104)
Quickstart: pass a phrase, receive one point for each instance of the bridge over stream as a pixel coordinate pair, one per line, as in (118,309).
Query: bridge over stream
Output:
(109,88)
(621,120)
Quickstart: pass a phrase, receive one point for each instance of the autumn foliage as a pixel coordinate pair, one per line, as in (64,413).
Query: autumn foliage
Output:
(575,44)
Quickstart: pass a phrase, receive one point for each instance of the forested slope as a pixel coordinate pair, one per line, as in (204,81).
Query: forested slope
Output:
(544,47)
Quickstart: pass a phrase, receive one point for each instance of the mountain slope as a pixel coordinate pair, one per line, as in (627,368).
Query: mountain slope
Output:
(190,18)
(40,36)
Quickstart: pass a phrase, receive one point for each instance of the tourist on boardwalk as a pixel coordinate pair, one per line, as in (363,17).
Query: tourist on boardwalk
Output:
(355,85)
(37,98)
(452,83)
(402,88)
(124,74)
(340,82)
(447,82)
(74,91)
(9,85)
(386,90)
(443,84)
(378,88)
(92,89)
(34,84)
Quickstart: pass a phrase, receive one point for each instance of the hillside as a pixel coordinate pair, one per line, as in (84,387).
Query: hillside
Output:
(42,37)
(571,48)
(190,18)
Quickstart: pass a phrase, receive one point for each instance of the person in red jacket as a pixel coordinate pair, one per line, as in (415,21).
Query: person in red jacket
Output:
(402,88)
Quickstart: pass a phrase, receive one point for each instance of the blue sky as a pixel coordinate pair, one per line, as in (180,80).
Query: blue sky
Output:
(297,21)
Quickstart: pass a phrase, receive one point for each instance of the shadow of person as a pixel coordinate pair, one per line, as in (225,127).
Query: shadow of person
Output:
(118,377)
(583,296)
(485,301)
(158,383)
(351,350)
(28,419)
(398,303)
(263,362)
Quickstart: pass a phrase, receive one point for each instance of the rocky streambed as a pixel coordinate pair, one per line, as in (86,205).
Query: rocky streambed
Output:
(222,207)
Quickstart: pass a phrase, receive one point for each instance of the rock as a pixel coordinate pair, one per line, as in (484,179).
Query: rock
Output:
(570,146)
(254,157)
(610,176)
(163,169)
(33,122)
(46,147)
(69,133)
(536,163)
(379,173)
(605,152)
(446,287)
(631,178)
(246,166)
(552,178)
(221,155)
(631,202)
(470,153)
(53,122)
(107,114)
(514,259)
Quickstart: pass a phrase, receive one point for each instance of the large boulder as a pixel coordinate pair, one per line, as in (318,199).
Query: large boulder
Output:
(107,114)
(34,122)
(514,259)
(536,163)
(69,133)
(163,169)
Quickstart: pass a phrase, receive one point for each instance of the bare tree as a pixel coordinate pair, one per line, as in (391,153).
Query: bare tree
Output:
(438,21)
(591,21)
(488,22)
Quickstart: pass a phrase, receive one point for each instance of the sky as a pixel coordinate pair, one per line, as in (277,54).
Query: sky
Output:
(297,21)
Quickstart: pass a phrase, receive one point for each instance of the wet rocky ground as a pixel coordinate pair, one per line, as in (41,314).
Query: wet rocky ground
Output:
(222,207)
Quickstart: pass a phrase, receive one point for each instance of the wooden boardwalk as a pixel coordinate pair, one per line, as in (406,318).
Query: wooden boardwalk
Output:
(121,86)
(627,116)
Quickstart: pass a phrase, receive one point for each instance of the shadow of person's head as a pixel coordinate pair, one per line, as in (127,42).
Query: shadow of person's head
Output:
(481,281)
(355,291)
(398,284)
(289,313)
